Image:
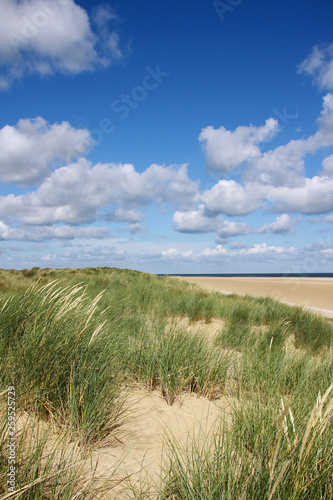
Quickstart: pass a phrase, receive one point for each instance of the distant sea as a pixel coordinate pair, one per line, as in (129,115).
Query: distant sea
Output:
(257,275)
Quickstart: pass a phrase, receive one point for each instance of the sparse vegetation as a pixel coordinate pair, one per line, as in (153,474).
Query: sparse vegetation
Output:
(73,340)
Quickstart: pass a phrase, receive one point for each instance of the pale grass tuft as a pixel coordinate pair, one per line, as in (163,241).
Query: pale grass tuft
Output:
(96,332)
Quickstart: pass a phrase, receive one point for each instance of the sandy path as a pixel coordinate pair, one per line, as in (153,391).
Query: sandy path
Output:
(308,292)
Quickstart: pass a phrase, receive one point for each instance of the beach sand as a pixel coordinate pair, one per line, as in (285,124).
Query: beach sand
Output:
(141,450)
(313,293)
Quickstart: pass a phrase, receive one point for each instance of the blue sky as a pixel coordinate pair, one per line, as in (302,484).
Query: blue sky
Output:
(168,137)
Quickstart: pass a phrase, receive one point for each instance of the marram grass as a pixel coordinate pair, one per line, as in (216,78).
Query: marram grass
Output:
(73,341)
(270,457)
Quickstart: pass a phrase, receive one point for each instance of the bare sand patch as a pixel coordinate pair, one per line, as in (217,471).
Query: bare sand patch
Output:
(208,329)
(316,293)
(136,456)
(141,449)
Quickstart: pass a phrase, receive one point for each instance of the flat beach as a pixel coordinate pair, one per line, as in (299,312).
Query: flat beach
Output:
(314,293)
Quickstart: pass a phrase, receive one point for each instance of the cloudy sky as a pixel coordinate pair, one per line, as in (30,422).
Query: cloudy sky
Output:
(176,136)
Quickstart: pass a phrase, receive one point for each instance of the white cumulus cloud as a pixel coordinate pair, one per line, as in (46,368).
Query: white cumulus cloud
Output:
(280,166)
(328,218)
(219,252)
(29,149)
(319,66)
(47,36)
(312,196)
(263,248)
(38,233)
(231,198)
(74,194)
(328,166)
(126,215)
(136,228)
(283,224)
(195,221)
(226,150)
(284,165)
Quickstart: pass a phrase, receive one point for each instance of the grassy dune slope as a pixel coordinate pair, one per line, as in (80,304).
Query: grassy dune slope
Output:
(72,342)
